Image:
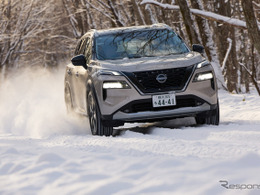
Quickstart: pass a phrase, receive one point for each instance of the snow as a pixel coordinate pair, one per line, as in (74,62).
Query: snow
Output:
(220,18)
(202,13)
(43,151)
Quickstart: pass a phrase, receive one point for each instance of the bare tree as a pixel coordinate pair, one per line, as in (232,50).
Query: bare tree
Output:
(16,27)
(39,32)
(251,22)
(138,13)
(31,34)
(188,21)
(254,35)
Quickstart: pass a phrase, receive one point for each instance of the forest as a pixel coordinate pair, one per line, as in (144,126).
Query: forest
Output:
(40,33)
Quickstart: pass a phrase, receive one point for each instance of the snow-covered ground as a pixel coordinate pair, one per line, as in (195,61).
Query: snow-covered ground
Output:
(42,151)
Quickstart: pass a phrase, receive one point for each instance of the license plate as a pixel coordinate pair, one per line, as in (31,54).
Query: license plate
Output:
(164,100)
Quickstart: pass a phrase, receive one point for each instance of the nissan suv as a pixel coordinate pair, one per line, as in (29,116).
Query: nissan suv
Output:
(139,74)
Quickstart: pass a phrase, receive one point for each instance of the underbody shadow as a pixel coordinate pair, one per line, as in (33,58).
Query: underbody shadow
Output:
(147,128)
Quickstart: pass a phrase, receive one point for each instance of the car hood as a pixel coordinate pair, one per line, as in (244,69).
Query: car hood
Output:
(152,63)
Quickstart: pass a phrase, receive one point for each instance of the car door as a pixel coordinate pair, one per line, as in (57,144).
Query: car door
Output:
(80,75)
(69,78)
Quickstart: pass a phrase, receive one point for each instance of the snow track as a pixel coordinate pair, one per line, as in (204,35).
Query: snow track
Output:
(42,151)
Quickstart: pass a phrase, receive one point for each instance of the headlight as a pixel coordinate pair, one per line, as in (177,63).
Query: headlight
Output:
(203,63)
(203,76)
(115,85)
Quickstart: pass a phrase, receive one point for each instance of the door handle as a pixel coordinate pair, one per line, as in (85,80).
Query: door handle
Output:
(77,74)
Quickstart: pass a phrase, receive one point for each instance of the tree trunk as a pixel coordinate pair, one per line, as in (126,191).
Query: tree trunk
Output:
(165,15)
(7,45)
(223,32)
(188,21)
(251,22)
(203,30)
(114,12)
(137,11)
(92,22)
(207,41)
(253,73)
(147,16)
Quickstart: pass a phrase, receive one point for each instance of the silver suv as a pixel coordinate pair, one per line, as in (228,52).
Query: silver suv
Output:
(139,74)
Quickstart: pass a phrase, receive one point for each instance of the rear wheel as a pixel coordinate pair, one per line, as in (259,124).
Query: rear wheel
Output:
(95,121)
(211,119)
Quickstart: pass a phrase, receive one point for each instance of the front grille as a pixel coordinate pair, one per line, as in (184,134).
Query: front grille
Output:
(147,83)
(147,105)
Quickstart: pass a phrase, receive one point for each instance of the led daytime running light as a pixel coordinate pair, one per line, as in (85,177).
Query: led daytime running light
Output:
(203,76)
(115,85)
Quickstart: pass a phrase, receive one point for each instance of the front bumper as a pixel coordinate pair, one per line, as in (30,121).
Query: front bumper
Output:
(171,113)
(113,102)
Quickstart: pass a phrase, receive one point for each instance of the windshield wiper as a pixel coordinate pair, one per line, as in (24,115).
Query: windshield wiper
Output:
(134,56)
(150,56)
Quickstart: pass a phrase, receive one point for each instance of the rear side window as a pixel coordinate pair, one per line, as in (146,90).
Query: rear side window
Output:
(81,47)
(77,48)
(88,49)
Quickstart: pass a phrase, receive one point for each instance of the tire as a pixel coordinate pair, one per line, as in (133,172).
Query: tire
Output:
(211,119)
(68,101)
(95,121)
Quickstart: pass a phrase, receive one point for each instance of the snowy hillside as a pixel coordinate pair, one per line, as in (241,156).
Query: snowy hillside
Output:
(43,151)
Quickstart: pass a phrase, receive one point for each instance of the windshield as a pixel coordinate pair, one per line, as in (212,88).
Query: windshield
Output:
(138,44)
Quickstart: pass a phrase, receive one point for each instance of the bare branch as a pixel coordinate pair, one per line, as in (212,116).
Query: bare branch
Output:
(102,12)
(227,54)
(205,14)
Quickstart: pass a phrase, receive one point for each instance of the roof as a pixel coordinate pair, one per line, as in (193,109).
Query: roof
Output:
(131,28)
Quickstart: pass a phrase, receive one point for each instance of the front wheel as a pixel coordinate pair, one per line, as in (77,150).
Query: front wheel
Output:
(95,121)
(211,119)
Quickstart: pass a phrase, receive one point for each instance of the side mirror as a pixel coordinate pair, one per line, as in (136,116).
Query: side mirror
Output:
(79,60)
(198,48)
